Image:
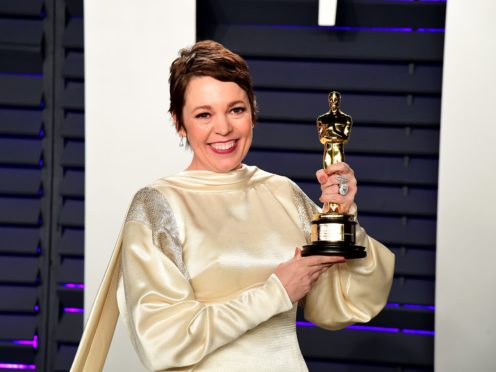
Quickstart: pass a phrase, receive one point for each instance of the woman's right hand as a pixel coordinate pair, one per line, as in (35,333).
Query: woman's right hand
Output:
(299,273)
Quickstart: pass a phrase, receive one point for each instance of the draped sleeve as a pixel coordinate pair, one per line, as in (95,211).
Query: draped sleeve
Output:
(169,327)
(349,292)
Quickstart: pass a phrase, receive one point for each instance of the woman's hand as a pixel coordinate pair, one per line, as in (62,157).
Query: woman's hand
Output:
(330,180)
(300,273)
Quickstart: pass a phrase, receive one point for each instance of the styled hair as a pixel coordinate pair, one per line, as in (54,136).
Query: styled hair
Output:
(207,58)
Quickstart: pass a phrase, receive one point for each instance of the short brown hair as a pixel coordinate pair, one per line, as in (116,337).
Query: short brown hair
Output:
(207,58)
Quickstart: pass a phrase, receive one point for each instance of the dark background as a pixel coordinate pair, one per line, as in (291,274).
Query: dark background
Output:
(385,57)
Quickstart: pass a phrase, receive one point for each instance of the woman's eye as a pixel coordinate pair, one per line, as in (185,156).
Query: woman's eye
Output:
(202,115)
(238,110)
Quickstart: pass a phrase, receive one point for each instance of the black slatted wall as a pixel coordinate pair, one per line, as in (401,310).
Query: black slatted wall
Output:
(41,183)
(385,57)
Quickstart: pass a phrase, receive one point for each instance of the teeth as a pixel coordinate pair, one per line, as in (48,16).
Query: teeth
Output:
(223,146)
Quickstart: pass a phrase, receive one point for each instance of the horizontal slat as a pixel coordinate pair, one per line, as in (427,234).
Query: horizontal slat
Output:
(21,31)
(20,122)
(321,366)
(74,95)
(74,34)
(65,356)
(17,327)
(18,354)
(368,169)
(347,76)
(71,242)
(18,90)
(71,297)
(74,65)
(73,155)
(20,181)
(322,43)
(20,240)
(17,151)
(71,270)
(72,213)
(305,13)
(21,59)
(386,199)
(400,230)
(363,139)
(73,126)
(18,299)
(23,270)
(25,7)
(414,262)
(369,109)
(367,346)
(15,210)
(73,184)
(70,327)
(74,8)
(412,291)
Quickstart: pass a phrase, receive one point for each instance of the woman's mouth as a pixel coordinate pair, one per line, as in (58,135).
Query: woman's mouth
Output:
(223,147)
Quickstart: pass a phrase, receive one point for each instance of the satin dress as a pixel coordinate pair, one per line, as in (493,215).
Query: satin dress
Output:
(195,283)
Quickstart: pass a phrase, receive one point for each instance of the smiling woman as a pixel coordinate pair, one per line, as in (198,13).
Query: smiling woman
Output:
(207,272)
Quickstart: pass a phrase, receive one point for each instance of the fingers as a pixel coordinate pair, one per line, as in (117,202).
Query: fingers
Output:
(330,180)
(297,252)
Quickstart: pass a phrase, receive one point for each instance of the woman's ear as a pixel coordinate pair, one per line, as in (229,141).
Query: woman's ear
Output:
(180,130)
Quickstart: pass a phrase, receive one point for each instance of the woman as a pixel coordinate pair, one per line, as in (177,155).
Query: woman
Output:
(209,275)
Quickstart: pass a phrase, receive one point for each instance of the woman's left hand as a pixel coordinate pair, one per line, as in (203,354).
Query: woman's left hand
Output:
(333,180)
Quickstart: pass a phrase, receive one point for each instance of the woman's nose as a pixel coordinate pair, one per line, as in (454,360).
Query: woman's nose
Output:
(223,125)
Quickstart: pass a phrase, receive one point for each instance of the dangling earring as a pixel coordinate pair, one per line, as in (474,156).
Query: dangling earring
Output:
(181,141)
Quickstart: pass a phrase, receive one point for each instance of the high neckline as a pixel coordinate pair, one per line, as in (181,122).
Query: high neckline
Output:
(205,179)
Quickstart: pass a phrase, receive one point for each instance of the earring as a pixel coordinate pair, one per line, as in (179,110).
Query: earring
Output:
(181,141)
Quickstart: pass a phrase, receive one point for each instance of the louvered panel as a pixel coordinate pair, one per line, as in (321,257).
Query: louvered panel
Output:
(74,95)
(64,357)
(73,155)
(69,329)
(74,65)
(18,90)
(322,43)
(20,151)
(71,270)
(22,270)
(17,299)
(20,181)
(20,240)
(73,35)
(397,317)
(71,297)
(73,184)
(386,199)
(407,78)
(414,262)
(74,8)
(369,109)
(72,213)
(18,327)
(20,122)
(19,211)
(369,169)
(22,32)
(370,140)
(18,8)
(412,291)
(401,230)
(367,346)
(73,126)
(17,354)
(320,366)
(371,13)
(71,242)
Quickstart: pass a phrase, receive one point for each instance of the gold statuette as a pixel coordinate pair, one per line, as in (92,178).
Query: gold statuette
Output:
(333,233)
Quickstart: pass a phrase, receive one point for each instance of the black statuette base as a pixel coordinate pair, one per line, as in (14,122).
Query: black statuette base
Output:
(323,248)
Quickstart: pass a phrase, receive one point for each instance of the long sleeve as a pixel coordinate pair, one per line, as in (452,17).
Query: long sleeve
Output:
(168,325)
(350,292)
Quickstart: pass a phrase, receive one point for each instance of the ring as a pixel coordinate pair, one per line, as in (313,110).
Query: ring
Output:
(342,179)
(343,189)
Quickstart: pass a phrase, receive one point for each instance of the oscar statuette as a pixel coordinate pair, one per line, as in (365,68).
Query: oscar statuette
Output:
(333,233)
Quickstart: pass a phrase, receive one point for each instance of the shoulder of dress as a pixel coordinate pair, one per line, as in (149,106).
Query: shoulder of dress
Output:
(148,206)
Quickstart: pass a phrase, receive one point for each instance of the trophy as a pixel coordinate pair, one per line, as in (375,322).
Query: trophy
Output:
(333,233)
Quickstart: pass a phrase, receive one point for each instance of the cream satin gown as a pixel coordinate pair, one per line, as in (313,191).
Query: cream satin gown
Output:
(192,276)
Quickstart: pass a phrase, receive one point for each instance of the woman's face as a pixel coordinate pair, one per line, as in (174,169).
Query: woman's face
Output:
(218,124)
